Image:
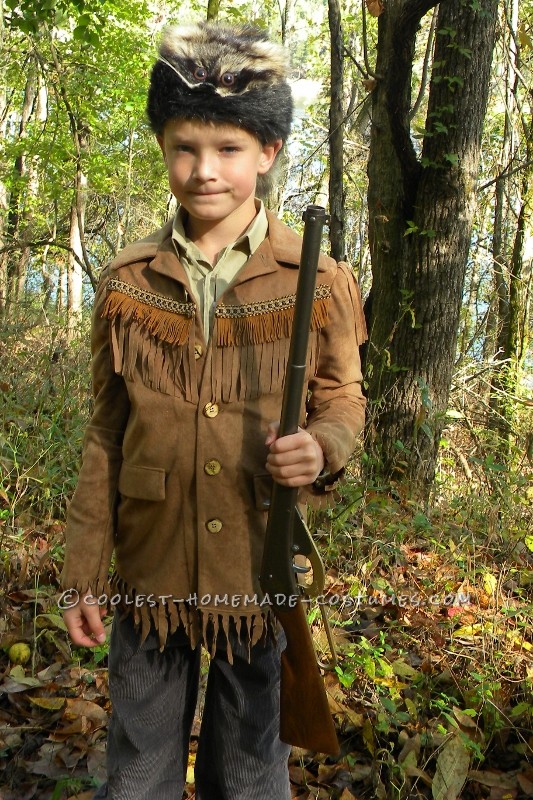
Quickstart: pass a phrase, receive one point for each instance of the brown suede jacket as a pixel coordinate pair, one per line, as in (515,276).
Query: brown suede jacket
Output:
(173,474)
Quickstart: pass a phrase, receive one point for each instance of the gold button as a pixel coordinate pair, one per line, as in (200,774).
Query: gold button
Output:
(198,350)
(212,467)
(214,525)
(210,410)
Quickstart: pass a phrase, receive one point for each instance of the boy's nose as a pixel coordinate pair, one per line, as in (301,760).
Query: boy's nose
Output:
(204,167)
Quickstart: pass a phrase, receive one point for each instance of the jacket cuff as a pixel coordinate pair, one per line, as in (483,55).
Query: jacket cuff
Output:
(326,481)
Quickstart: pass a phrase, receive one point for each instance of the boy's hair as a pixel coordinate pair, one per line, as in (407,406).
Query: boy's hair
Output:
(221,74)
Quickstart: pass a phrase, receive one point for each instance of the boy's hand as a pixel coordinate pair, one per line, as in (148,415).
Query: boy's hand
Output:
(295,460)
(84,623)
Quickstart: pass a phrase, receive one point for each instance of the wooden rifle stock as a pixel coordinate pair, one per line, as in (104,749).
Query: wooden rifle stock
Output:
(305,716)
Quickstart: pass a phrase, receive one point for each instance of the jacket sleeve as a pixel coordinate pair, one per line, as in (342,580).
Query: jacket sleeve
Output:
(91,515)
(336,407)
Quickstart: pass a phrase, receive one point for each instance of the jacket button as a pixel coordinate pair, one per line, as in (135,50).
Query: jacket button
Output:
(212,467)
(214,525)
(198,350)
(210,410)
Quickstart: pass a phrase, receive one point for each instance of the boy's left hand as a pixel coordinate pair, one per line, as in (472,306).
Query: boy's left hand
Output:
(294,460)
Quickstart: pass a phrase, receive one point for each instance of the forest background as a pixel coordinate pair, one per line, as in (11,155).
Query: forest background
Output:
(414,127)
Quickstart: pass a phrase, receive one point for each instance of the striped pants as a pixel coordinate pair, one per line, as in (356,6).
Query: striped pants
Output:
(153,696)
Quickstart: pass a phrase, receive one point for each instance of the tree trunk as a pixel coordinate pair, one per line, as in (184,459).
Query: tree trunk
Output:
(31,199)
(76,236)
(507,250)
(16,259)
(3,188)
(213,9)
(336,134)
(420,223)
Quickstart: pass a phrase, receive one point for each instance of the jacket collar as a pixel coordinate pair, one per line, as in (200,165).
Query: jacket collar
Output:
(282,246)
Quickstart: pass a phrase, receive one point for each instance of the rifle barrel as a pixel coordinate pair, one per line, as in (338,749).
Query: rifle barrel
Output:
(277,571)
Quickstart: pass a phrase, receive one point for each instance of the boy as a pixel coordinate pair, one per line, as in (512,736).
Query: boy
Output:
(190,340)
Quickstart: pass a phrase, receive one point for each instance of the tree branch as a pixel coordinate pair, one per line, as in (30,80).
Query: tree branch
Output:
(60,246)
(398,85)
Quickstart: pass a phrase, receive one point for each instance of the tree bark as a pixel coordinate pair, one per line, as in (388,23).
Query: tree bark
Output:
(3,188)
(336,134)
(510,278)
(17,213)
(77,236)
(213,9)
(420,222)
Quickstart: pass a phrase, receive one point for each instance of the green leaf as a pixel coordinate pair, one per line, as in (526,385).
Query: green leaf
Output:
(451,413)
(79,33)
(452,158)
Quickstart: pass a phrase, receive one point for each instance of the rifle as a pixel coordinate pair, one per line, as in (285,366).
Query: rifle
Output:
(305,716)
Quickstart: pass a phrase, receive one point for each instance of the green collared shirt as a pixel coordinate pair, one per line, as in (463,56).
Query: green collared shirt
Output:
(209,281)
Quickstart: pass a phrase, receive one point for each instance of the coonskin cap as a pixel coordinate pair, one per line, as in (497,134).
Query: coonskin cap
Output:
(216,73)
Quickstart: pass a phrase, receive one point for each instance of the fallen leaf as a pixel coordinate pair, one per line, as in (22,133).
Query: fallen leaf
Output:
(411,746)
(453,611)
(491,778)
(502,794)
(464,719)
(76,708)
(452,770)
(368,737)
(490,583)
(470,631)
(300,775)
(18,681)
(326,773)
(518,642)
(82,796)
(48,703)
(50,672)
(80,725)
(96,762)
(405,670)
(54,620)
(347,795)
(525,781)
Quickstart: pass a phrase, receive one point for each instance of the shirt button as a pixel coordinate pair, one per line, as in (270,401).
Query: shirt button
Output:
(214,525)
(198,350)
(211,410)
(212,467)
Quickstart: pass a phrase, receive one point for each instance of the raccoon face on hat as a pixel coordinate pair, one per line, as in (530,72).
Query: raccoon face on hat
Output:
(222,74)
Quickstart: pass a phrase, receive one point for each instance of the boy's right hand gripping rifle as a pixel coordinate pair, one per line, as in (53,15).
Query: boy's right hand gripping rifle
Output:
(305,716)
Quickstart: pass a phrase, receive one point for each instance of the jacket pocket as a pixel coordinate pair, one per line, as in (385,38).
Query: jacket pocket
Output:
(143,483)
(262,490)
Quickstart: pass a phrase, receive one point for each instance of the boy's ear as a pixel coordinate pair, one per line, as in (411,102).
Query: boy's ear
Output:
(268,155)
(161,143)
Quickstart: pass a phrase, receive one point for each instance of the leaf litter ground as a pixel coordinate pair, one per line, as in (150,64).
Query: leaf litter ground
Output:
(431,696)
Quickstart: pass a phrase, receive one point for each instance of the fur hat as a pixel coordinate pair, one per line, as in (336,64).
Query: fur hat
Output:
(217,73)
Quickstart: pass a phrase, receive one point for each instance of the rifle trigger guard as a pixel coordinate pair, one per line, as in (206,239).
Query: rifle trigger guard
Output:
(303,545)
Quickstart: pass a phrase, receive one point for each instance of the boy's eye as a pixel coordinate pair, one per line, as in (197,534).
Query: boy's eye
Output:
(200,73)
(228,79)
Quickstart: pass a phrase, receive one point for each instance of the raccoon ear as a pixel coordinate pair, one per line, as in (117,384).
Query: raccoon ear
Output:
(181,74)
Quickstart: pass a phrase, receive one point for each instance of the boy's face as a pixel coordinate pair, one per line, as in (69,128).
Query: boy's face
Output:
(213,169)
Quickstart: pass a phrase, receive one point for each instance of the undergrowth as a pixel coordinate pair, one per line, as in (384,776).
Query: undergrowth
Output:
(431,604)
